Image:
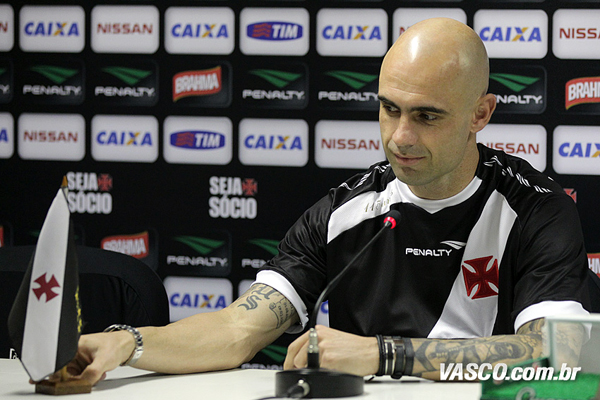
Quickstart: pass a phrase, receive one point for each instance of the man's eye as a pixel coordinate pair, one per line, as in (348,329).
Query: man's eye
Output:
(390,108)
(428,117)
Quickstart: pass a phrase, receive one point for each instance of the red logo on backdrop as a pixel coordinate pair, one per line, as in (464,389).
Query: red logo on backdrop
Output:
(594,262)
(1,236)
(249,187)
(485,277)
(581,91)
(197,83)
(572,193)
(46,287)
(105,182)
(136,245)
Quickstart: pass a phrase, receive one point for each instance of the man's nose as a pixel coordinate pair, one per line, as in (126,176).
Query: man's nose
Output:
(404,135)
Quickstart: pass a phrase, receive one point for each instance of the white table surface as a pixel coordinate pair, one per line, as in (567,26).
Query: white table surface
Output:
(247,384)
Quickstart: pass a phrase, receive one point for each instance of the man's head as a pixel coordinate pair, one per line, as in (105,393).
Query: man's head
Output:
(432,90)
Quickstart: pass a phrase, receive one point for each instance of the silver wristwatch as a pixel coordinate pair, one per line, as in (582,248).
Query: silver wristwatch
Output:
(137,337)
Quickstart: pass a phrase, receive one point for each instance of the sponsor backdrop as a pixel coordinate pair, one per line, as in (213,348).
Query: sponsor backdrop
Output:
(194,133)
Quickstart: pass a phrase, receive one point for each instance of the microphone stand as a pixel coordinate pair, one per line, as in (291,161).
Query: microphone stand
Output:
(314,381)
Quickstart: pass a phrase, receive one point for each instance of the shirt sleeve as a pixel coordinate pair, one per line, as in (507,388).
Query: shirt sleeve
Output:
(552,272)
(301,260)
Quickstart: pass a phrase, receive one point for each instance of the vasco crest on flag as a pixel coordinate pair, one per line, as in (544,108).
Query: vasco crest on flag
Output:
(45,321)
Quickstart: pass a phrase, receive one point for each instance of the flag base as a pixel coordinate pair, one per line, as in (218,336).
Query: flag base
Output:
(74,386)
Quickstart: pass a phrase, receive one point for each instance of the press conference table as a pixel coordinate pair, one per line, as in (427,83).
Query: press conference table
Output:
(239,384)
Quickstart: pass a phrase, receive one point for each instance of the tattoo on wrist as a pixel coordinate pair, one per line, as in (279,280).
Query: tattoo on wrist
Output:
(282,311)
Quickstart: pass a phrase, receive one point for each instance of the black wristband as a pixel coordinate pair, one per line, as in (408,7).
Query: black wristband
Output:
(400,357)
(410,357)
(382,356)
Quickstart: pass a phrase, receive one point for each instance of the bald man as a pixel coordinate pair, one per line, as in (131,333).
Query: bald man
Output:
(487,246)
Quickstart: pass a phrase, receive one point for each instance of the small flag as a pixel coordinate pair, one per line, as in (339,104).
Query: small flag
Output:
(44,323)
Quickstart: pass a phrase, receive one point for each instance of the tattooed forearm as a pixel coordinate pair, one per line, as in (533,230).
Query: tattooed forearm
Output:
(510,349)
(265,296)
(282,310)
(256,294)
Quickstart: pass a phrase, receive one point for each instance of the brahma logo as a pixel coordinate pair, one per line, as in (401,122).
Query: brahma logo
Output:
(136,245)
(124,138)
(363,33)
(274,31)
(7,30)
(575,34)
(197,140)
(52,29)
(347,144)
(525,141)
(51,136)
(88,192)
(271,30)
(281,142)
(189,295)
(199,30)
(197,83)
(125,29)
(576,150)
(582,91)
(525,36)
(7,146)
(200,140)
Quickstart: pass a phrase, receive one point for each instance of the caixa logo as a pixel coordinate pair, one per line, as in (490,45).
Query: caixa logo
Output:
(190,295)
(274,30)
(576,150)
(198,140)
(52,28)
(209,302)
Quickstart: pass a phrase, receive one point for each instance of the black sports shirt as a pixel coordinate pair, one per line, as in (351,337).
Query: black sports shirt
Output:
(504,251)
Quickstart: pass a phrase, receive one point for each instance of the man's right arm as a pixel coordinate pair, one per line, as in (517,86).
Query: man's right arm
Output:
(203,342)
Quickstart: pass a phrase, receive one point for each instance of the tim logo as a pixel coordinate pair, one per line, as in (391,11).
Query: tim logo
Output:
(481,277)
(272,30)
(198,140)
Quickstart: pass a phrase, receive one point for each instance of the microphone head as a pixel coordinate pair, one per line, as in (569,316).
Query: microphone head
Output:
(392,218)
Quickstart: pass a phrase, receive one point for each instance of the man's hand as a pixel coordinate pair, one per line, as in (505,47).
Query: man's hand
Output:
(99,353)
(338,351)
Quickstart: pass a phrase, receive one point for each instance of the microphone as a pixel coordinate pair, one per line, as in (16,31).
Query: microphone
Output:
(313,381)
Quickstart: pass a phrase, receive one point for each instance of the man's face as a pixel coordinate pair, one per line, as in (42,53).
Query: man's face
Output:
(425,120)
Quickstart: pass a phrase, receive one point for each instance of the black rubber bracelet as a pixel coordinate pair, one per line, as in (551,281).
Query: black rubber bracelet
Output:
(410,357)
(400,357)
(382,355)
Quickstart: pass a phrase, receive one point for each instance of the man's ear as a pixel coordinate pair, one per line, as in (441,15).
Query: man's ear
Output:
(485,108)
